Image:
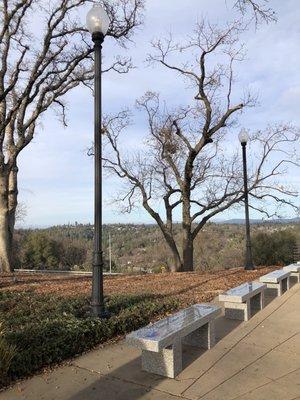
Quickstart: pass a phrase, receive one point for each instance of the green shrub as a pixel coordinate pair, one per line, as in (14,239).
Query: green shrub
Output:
(274,248)
(47,329)
(7,353)
(40,252)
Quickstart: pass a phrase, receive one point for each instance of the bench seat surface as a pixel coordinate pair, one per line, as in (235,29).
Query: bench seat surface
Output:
(161,334)
(243,292)
(292,268)
(275,276)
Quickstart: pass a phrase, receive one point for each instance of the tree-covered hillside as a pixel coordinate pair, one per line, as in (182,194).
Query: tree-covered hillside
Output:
(137,248)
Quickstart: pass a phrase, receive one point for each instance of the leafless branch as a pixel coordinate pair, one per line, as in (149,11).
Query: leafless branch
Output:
(261,12)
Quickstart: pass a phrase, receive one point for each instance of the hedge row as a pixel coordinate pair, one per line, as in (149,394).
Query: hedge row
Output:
(274,248)
(54,328)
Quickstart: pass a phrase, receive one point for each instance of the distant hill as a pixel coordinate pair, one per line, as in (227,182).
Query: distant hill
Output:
(240,221)
(136,247)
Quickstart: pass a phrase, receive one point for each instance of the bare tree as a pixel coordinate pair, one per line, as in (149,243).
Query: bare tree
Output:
(36,72)
(261,12)
(187,166)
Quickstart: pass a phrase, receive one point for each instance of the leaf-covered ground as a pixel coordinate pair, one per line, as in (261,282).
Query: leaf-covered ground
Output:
(47,321)
(187,287)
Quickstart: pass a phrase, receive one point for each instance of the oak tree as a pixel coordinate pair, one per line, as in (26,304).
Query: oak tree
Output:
(189,165)
(37,69)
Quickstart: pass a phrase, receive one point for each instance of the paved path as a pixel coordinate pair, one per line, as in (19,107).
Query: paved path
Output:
(255,360)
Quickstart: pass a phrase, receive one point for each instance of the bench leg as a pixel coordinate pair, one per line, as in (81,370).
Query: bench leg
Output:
(239,311)
(297,275)
(276,286)
(168,362)
(284,284)
(203,337)
(262,299)
(256,302)
(279,289)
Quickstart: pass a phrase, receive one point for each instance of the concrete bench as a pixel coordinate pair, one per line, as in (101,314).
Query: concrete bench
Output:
(278,279)
(161,342)
(294,270)
(241,301)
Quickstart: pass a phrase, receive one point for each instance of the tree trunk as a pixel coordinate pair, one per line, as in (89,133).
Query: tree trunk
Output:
(187,239)
(177,264)
(8,205)
(188,250)
(13,196)
(6,238)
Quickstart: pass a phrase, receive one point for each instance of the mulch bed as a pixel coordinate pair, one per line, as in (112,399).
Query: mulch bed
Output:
(191,287)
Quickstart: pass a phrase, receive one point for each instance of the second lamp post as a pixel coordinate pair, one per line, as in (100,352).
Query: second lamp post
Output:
(243,137)
(98,24)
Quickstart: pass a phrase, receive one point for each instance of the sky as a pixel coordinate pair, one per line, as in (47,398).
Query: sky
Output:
(56,175)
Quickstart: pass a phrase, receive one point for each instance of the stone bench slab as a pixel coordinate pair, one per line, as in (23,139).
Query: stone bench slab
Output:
(292,268)
(161,342)
(242,293)
(161,334)
(241,301)
(279,280)
(274,276)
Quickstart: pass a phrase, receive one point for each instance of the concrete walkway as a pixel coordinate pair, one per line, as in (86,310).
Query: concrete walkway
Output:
(255,360)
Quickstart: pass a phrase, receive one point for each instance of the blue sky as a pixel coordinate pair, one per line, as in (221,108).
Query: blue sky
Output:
(56,176)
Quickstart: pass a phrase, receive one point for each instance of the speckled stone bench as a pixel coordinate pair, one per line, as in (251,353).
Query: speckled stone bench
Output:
(294,270)
(241,301)
(278,279)
(161,342)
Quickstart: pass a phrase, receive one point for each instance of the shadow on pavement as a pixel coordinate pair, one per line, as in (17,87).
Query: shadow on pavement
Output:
(126,380)
(129,382)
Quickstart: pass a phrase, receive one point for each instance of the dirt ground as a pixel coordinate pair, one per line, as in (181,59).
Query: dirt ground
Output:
(190,287)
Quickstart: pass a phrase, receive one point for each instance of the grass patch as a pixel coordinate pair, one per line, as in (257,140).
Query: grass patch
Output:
(47,329)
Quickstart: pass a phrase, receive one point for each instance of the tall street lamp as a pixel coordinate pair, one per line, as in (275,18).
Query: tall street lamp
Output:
(244,137)
(98,23)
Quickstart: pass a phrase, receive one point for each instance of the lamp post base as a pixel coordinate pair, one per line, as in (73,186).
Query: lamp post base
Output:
(249,266)
(99,312)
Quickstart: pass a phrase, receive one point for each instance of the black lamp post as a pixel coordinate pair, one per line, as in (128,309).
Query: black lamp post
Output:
(243,137)
(98,24)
